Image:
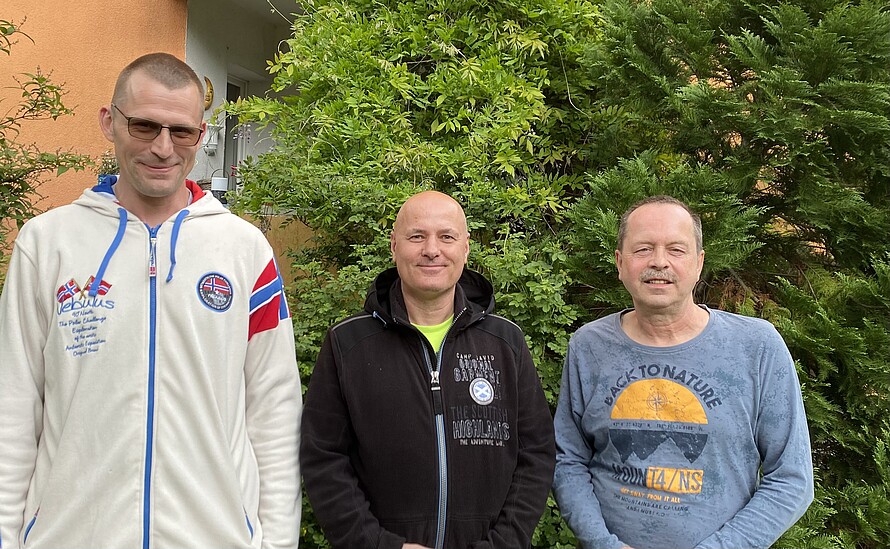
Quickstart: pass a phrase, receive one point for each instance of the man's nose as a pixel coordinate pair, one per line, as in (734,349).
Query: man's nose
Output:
(658,259)
(431,248)
(162,145)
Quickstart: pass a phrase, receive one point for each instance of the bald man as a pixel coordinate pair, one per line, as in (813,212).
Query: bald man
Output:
(425,425)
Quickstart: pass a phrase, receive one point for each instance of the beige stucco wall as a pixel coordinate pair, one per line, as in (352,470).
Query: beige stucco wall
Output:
(85,43)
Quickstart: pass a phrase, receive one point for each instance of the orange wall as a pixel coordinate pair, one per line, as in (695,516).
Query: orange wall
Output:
(85,43)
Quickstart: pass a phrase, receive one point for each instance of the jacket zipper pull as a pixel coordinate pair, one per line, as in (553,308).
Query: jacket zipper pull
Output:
(438,407)
(152,258)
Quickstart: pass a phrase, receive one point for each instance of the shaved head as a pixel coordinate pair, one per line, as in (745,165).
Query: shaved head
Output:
(167,69)
(441,203)
(430,244)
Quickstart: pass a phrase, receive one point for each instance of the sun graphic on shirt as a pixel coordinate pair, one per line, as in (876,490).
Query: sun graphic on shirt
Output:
(659,399)
(650,412)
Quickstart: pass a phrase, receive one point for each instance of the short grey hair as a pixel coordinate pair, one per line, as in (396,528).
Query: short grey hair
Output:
(661,199)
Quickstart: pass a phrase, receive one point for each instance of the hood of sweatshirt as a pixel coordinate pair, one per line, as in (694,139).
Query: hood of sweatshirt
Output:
(473,292)
(101,199)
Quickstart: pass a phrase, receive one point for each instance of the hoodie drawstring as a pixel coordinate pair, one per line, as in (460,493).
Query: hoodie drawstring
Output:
(121,227)
(177,223)
(380,318)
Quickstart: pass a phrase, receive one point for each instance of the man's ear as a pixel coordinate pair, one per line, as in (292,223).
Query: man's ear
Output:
(106,123)
(618,262)
(392,246)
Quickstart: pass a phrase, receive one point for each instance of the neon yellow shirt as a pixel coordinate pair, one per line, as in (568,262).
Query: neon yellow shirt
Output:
(435,334)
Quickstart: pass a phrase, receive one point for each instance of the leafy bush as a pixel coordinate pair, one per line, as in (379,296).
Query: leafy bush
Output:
(778,115)
(546,119)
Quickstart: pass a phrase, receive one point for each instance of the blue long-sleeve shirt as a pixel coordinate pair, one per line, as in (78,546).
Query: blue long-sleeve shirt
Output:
(698,445)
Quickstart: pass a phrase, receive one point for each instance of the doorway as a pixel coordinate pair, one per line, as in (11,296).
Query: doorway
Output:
(237,137)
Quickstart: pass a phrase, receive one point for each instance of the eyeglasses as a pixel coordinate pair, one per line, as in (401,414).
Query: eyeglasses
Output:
(148,130)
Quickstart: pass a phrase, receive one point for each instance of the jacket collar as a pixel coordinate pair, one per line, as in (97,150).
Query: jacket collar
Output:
(473,293)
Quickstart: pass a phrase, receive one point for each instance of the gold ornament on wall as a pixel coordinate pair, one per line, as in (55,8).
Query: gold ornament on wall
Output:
(208,93)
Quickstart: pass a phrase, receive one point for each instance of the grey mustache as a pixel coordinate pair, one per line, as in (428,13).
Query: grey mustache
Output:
(650,274)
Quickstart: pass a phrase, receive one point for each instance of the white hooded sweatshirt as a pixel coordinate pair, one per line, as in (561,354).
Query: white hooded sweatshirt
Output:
(149,393)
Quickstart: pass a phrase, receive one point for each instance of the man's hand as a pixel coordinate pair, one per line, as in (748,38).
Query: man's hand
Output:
(415,546)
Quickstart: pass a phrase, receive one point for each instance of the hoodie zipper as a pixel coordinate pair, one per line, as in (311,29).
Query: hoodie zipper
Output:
(439,411)
(149,428)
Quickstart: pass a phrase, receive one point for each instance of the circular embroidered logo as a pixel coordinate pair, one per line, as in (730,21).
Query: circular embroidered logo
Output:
(215,291)
(481,391)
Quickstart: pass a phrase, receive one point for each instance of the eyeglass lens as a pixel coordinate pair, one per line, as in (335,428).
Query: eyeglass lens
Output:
(148,130)
(140,128)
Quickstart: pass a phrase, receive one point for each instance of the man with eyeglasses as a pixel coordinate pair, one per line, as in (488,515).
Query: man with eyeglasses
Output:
(149,394)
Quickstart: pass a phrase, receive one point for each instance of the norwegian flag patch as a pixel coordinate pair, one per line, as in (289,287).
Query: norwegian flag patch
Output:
(215,292)
(102,286)
(67,291)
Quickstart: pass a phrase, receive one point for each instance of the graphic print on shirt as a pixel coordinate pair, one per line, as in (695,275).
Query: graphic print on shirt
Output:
(81,317)
(658,413)
(483,423)
(215,292)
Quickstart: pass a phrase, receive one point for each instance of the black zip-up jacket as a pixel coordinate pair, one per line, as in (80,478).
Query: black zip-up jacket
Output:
(389,455)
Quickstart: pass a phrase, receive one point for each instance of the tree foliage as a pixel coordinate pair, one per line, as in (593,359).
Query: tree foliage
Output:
(482,100)
(474,99)
(23,164)
(547,118)
(783,109)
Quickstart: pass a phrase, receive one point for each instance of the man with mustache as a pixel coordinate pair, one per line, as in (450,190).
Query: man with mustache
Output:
(678,426)
(425,425)
(149,393)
